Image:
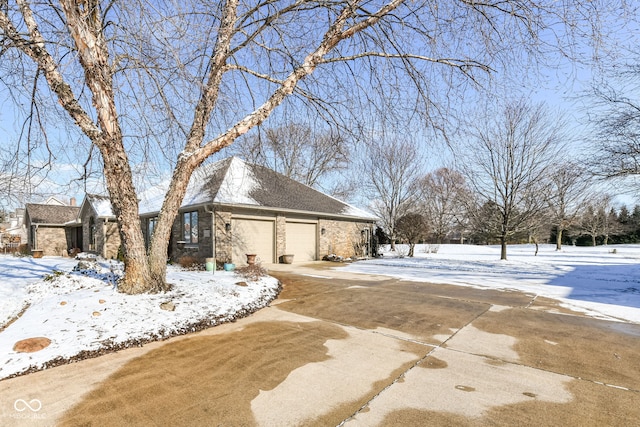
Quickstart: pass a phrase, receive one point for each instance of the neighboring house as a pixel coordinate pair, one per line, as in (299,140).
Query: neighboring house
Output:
(99,228)
(231,209)
(54,229)
(13,232)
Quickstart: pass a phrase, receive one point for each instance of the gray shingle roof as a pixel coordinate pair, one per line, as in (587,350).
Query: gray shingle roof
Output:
(51,214)
(234,181)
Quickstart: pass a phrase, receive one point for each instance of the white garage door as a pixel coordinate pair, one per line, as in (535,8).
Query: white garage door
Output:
(252,237)
(301,241)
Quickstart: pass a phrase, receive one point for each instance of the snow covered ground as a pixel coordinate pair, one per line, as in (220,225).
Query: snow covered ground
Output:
(81,312)
(602,281)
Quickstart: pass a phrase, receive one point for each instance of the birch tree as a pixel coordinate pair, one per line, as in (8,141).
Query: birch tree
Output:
(174,82)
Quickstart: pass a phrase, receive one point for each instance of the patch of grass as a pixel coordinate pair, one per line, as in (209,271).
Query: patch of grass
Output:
(189,262)
(53,276)
(251,272)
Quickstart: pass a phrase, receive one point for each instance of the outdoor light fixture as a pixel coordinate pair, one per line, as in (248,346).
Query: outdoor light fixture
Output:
(227,227)
(322,231)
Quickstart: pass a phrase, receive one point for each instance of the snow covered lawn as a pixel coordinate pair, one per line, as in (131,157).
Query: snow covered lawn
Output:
(82,313)
(602,281)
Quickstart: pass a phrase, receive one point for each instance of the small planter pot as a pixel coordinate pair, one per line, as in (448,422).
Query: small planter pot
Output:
(251,259)
(37,253)
(229,267)
(287,259)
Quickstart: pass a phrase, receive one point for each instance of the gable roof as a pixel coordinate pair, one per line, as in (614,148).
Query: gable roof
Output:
(101,205)
(51,214)
(233,181)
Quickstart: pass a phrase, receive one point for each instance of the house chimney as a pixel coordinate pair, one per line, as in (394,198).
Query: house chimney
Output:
(72,201)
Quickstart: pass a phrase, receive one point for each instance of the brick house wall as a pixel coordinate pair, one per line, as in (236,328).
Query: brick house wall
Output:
(341,237)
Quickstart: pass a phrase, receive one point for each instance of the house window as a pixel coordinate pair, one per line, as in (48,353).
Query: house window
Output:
(92,234)
(190,227)
(151,226)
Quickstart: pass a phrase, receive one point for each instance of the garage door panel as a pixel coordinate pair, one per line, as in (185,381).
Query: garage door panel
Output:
(301,241)
(252,237)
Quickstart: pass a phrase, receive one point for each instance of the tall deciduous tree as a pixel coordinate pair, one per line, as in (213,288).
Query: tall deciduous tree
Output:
(392,169)
(617,119)
(176,81)
(444,195)
(567,194)
(297,151)
(510,154)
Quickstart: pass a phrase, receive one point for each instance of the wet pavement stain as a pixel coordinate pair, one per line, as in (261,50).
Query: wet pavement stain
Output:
(433,363)
(205,378)
(582,347)
(426,318)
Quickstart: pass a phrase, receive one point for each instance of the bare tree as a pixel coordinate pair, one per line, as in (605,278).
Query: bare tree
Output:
(391,169)
(444,195)
(567,194)
(509,156)
(173,83)
(617,119)
(412,228)
(297,151)
(592,222)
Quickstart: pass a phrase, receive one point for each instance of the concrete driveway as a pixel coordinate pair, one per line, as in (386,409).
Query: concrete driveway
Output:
(357,350)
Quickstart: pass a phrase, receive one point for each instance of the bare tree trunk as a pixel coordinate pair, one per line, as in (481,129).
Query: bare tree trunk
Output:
(503,246)
(411,249)
(559,239)
(125,207)
(593,240)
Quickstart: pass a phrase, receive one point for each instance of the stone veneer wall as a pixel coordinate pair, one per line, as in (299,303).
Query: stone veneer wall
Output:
(281,236)
(84,219)
(107,235)
(109,238)
(343,238)
(51,240)
(224,248)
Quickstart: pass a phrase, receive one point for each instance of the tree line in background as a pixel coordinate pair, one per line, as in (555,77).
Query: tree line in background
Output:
(595,223)
(513,182)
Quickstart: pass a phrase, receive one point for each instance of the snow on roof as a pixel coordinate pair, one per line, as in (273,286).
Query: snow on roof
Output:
(101,205)
(350,210)
(151,198)
(237,185)
(232,181)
